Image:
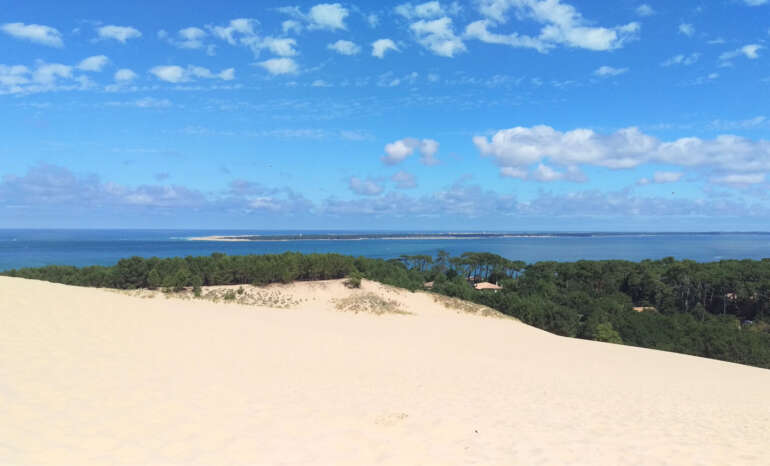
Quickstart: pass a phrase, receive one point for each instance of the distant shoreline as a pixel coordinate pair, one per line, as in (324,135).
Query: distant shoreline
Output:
(354,237)
(432,236)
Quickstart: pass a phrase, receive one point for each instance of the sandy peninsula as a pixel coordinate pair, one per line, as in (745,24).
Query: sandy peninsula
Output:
(317,374)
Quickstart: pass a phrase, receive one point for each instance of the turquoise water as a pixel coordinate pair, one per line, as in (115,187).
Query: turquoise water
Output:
(34,248)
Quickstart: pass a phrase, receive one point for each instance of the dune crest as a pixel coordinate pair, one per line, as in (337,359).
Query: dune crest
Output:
(307,373)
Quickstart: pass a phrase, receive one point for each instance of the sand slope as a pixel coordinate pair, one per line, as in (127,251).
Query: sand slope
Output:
(96,377)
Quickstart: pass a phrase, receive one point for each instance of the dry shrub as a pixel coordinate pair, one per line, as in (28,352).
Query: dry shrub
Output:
(369,303)
(467,306)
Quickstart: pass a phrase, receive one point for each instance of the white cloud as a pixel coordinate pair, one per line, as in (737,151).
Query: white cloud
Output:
(380,46)
(404,180)
(13,76)
(95,63)
(238,31)
(667,177)
(172,73)
(740,179)
(427,10)
(192,38)
(327,16)
(118,33)
(243,32)
(687,29)
(344,47)
(562,25)
(36,33)
(516,149)
(546,173)
(750,51)
(125,75)
(47,73)
(751,123)
(320,83)
(438,36)
(367,187)
(480,30)
(277,66)
(177,74)
(291,26)
(682,59)
(662,177)
(283,47)
(398,151)
(605,71)
(372,20)
(150,102)
(645,10)
(44,77)
(330,16)
(755,2)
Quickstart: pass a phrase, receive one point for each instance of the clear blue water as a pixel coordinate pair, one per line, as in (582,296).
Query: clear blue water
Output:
(34,248)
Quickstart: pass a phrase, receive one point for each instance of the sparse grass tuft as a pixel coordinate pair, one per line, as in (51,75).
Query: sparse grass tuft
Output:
(369,303)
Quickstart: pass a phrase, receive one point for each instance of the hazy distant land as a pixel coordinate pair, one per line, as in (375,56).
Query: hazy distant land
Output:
(440,235)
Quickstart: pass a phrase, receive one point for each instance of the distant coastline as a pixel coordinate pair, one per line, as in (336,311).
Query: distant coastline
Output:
(432,236)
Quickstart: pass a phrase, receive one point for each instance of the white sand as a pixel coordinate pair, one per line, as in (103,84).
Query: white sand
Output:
(95,377)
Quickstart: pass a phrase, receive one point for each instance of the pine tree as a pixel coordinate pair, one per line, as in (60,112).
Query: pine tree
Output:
(153,279)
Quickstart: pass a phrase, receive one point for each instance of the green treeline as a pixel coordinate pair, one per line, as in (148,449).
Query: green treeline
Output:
(718,310)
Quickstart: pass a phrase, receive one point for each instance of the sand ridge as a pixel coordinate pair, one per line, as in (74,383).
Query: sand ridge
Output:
(92,376)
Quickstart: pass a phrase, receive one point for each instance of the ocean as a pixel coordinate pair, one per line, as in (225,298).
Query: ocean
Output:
(35,248)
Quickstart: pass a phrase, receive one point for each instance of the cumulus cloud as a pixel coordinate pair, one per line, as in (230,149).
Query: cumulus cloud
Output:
(381,46)
(480,30)
(605,71)
(191,38)
(237,31)
(37,33)
(327,16)
(283,47)
(398,151)
(118,33)
(438,36)
(124,75)
(243,32)
(177,74)
(562,25)
(344,47)
(43,77)
(291,25)
(750,51)
(368,187)
(278,66)
(95,63)
(682,59)
(427,10)
(404,180)
(516,149)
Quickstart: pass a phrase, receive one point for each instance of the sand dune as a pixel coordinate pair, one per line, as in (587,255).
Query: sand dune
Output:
(97,377)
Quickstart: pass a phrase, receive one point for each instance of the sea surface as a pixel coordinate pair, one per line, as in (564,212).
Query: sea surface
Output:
(35,248)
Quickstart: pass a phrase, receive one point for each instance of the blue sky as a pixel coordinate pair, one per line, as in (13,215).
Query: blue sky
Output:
(477,115)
